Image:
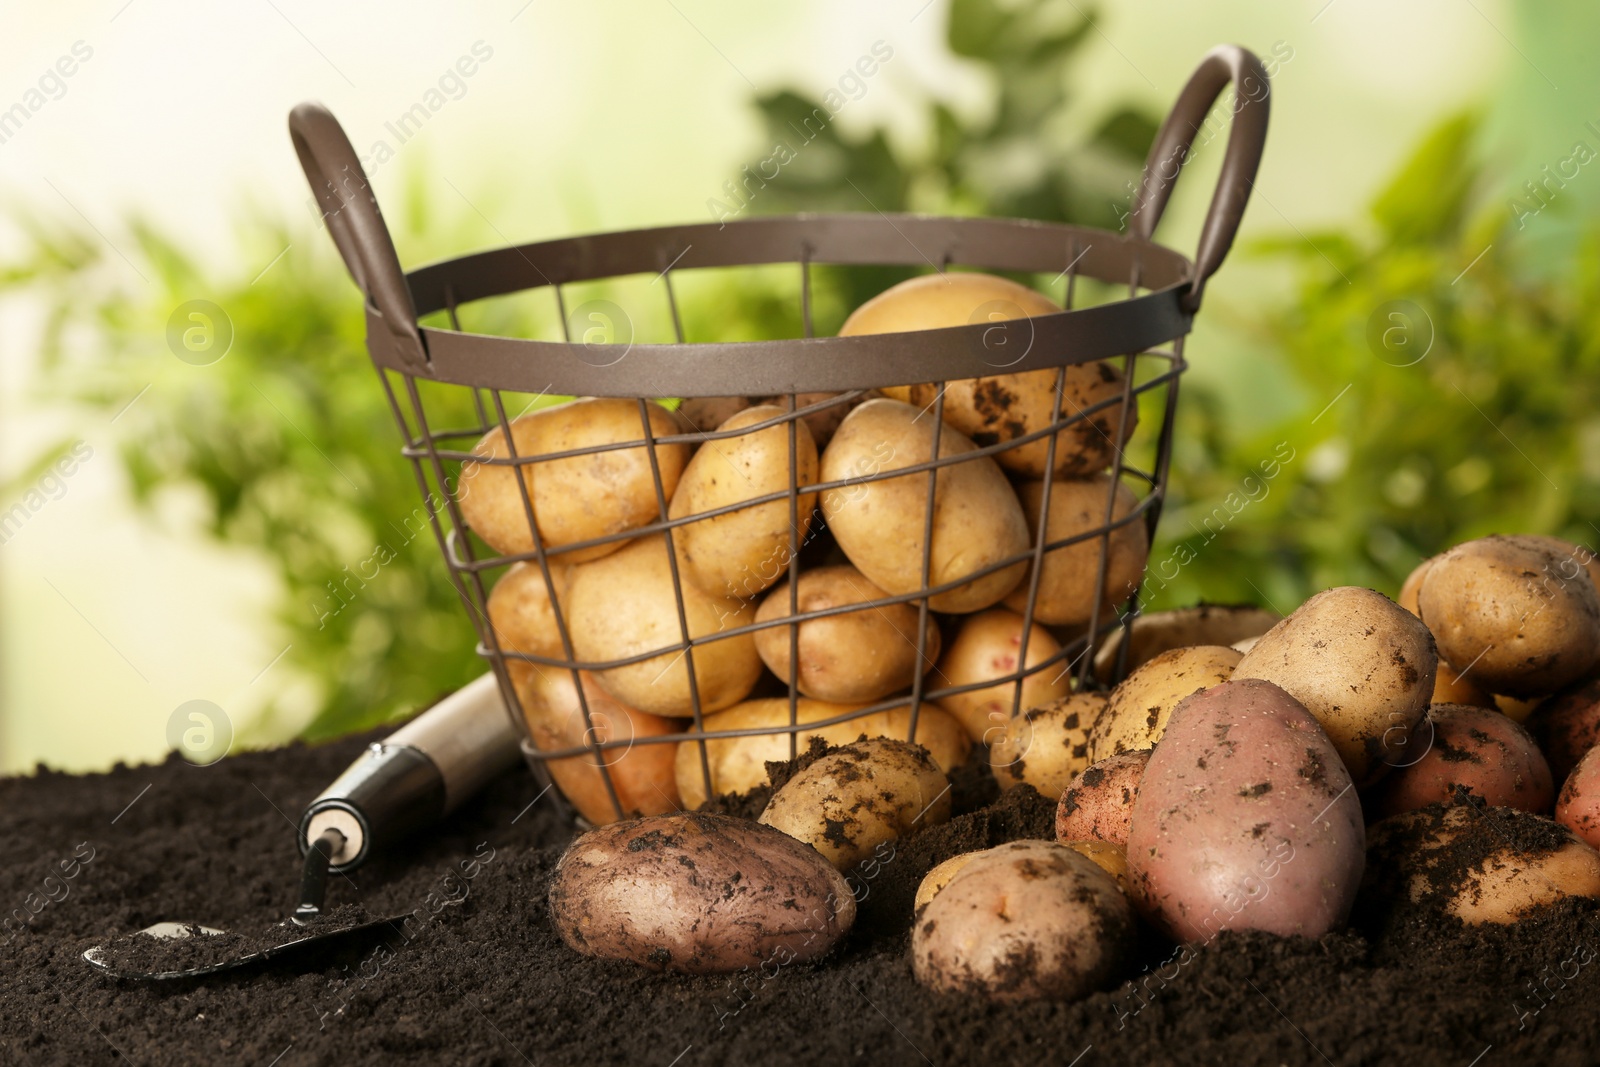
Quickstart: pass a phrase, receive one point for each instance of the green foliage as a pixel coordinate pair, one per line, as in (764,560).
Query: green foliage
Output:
(287,439)
(290,443)
(1469,411)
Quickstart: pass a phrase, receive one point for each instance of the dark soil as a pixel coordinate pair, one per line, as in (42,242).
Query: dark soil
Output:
(480,977)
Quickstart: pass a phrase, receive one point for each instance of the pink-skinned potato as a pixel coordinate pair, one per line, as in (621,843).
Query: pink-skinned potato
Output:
(1246,819)
(1478,748)
(1097,804)
(1578,808)
(699,894)
(1566,725)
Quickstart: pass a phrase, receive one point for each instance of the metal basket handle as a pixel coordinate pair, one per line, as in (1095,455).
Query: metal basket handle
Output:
(356,224)
(1246,140)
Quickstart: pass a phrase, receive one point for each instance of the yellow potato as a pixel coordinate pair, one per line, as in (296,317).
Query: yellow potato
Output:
(574,499)
(740,553)
(1514,709)
(624,605)
(1001,406)
(1525,618)
(521,612)
(855,657)
(1361,664)
(939,877)
(988,646)
(1111,858)
(1480,864)
(1452,687)
(861,796)
(1413,586)
(1067,576)
(739,764)
(977,520)
(1047,746)
(642,774)
(1136,714)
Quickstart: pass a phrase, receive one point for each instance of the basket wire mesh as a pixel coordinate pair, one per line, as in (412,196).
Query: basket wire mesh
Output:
(1147,326)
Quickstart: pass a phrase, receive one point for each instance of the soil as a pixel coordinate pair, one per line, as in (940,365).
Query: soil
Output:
(478,975)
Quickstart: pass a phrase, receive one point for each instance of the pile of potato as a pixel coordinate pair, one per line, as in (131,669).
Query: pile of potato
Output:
(1249,772)
(862,543)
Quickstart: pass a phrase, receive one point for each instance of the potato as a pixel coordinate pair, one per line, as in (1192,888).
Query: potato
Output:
(1474,747)
(1245,644)
(1067,574)
(1452,687)
(1513,612)
(739,764)
(1482,865)
(987,646)
(1413,586)
(520,610)
(1160,631)
(1515,709)
(574,499)
(1573,556)
(1098,804)
(624,605)
(1003,407)
(1566,725)
(1137,713)
(860,796)
(741,553)
(977,520)
(1361,664)
(939,877)
(1113,859)
(1245,819)
(1028,920)
(855,657)
(1046,746)
(1578,808)
(642,774)
(698,894)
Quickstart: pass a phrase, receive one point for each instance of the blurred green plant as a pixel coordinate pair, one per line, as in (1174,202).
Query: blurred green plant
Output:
(1454,391)
(1449,386)
(290,444)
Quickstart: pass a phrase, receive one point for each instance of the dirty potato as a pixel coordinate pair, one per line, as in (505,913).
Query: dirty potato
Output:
(1137,713)
(1046,746)
(1524,618)
(698,894)
(860,796)
(1361,664)
(1004,407)
(1029,920)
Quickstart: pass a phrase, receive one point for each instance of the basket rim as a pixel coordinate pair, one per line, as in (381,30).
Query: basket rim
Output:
(1158,278)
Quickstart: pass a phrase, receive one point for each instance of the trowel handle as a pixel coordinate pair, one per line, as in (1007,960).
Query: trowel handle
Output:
(416,776)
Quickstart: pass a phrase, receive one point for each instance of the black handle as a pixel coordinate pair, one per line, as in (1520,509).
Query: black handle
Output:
(389,792)
(416,776)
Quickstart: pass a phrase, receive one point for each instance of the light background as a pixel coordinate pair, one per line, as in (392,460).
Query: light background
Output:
(595,116)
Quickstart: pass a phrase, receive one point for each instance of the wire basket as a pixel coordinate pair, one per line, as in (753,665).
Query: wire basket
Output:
(808,378)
